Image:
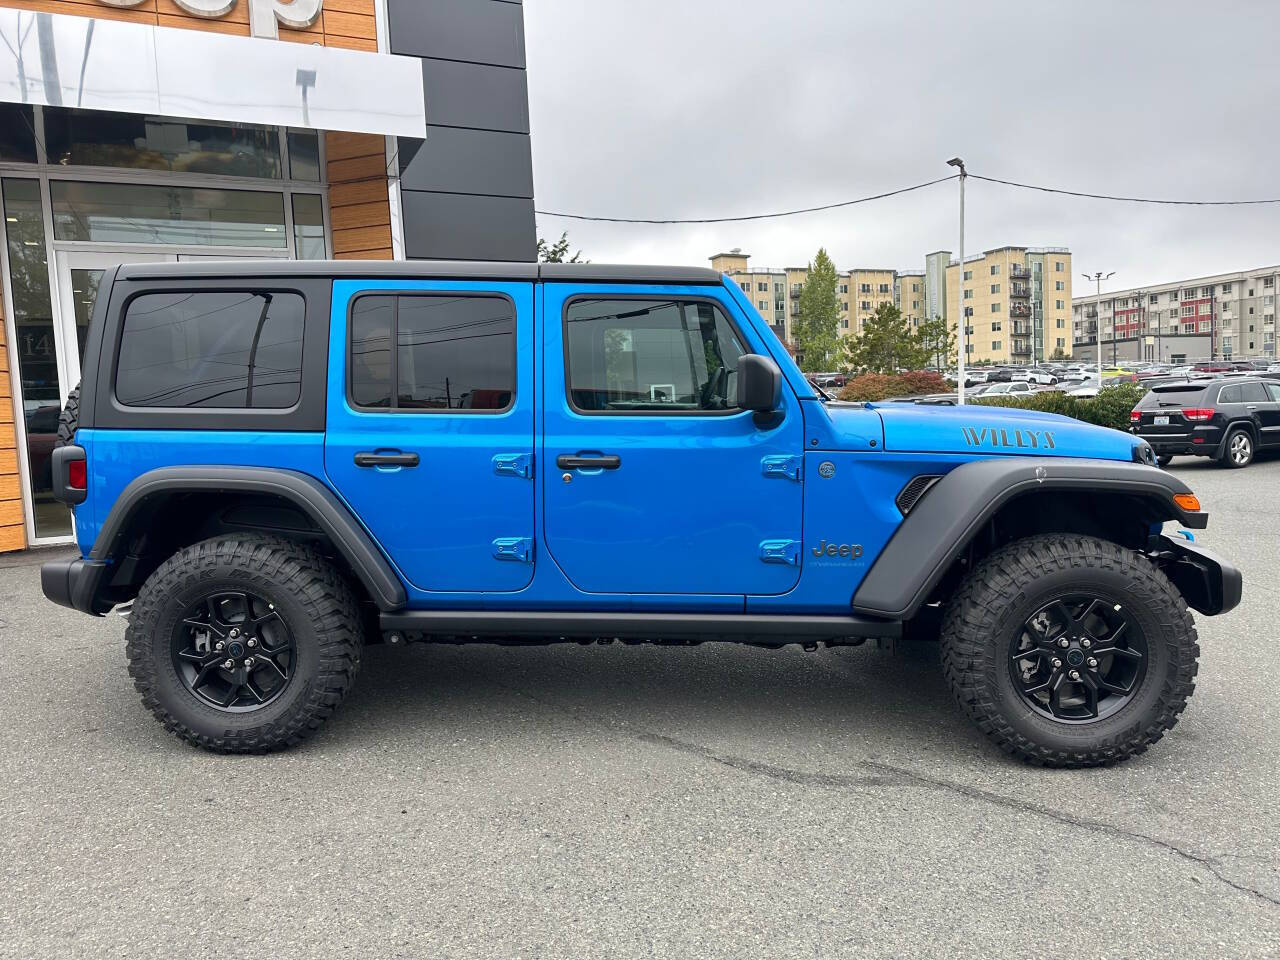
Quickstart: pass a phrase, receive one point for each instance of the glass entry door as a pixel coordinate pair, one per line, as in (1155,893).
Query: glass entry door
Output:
(49,357)
(79,273)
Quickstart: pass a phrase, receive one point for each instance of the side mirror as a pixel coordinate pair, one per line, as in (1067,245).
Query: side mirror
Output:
(759,383)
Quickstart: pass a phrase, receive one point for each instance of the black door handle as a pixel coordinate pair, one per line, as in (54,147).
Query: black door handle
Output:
(369,459)
(572,461)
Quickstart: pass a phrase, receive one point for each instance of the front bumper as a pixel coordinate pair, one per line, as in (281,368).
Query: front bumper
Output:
(1208,583)
(73,583)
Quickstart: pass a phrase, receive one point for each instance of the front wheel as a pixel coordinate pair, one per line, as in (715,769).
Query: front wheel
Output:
(1070,651)
(1165,459)
(244,643)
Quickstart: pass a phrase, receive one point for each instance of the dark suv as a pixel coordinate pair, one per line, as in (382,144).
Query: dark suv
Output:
(1229,420)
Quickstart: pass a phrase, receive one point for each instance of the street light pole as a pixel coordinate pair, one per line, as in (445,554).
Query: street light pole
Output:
(963,338)
(1097,316)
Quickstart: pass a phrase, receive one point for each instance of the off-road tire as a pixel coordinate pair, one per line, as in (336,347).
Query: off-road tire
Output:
(1006,588)
(68,419)
(312,599)
(1243,439)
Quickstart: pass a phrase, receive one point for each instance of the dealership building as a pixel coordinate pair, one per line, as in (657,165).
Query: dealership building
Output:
(149,130)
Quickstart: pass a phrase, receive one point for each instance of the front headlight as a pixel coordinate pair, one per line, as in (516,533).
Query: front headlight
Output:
(1142,453)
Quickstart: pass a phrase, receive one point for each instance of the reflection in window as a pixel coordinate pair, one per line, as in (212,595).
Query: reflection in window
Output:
(102,139)
(451,352)
(652,356)
(308,226)
(36,348)
(17,133)
(304,155)
(211,349)
(143,213)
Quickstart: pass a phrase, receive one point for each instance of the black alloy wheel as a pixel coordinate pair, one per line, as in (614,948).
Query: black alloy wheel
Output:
(233,651)
(1078,659)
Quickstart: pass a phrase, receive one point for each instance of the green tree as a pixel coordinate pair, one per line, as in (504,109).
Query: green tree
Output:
(1059,354)
(817,326)
(558,252)
(937,343)
(887,344)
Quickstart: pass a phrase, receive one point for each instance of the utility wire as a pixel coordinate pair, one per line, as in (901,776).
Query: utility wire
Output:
(755,216)
(918,186)
(1106,196)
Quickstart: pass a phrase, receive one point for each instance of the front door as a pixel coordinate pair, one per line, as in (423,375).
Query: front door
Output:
(430,427)
(653,481)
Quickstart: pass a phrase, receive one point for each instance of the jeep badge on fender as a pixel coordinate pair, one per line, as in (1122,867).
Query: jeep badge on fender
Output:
(343,453)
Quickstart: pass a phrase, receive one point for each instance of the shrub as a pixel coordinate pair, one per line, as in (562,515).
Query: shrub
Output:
(1110,408)
(878,386)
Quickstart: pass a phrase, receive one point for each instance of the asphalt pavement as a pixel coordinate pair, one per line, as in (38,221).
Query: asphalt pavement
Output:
(616,801)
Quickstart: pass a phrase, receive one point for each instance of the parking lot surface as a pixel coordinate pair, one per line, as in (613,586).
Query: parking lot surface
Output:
(615,801)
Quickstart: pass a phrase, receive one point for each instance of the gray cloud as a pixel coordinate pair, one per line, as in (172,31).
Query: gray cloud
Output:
(714,108)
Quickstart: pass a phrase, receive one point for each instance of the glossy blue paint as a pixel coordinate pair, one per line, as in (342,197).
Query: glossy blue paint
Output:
(689,506)
(982,430)
(117,457)
(438,521)
(706,513)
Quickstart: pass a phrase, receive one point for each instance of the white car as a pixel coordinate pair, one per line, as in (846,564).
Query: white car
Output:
(1274,368)
(1017,388)
(1042,377)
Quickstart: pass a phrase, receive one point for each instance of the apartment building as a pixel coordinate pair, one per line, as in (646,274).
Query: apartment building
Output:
(1228,315)
(1017,302)
(911,296)
(765,287)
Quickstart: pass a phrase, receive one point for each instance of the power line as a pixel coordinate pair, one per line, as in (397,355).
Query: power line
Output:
(918,186)
(754,216)
(1106,196)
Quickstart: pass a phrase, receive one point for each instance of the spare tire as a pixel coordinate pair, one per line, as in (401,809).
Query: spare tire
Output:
(69,419)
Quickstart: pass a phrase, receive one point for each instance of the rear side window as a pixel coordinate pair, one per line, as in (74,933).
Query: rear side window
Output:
(651,356)
(432,353)
(1230,394)
(229,349)
(1253,393)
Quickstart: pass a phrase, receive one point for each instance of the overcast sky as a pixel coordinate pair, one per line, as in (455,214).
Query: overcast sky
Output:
(689,108)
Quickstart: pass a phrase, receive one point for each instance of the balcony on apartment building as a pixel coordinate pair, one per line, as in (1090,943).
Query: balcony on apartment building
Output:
(1019,309)
(1020,290)
(795,290)
(1019,273)
(1020,348)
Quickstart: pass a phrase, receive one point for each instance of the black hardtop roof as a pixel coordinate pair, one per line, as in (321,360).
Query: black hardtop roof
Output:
(420,270)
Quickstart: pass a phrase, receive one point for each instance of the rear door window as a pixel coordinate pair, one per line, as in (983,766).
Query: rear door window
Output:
(212,348)
(430,353)
(1253,393)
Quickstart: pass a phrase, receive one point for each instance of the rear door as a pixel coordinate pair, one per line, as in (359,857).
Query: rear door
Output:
(654,481)
(430,426)
(1268,413)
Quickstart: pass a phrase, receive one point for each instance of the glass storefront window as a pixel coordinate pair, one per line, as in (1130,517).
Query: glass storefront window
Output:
(188,216)
(308,226)
(37,355)
(17,133)
(304,155)
(101,139)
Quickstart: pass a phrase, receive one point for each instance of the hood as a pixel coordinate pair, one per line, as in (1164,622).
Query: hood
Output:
(975,428)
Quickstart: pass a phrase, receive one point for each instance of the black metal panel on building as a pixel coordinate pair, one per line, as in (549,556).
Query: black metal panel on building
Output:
(467,191)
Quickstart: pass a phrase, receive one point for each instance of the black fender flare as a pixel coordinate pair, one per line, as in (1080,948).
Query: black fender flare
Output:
(942,524)
(305,492)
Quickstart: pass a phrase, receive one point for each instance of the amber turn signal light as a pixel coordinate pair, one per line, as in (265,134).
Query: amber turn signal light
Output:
(1187,501)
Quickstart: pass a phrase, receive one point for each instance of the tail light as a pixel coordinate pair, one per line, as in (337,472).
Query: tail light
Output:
(1135,416)
(1197,413)
(77,477)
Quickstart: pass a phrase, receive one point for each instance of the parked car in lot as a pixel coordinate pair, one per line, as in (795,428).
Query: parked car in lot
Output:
(358,452)
(1228,420)
(1014,388)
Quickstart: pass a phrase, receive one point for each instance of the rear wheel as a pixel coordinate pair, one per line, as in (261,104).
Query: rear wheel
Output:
(244,643)
(1070,651)
(1165,459)
(1237,450)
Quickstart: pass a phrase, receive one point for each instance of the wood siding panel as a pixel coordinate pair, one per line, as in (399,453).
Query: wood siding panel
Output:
(8,461)
(12,538)
(358,168)
(351,43)
(238,13)
(349,25)
(10,512)
(361,238)
(346,146)
(359,215)
(359,191)
(10,487)
(383,253)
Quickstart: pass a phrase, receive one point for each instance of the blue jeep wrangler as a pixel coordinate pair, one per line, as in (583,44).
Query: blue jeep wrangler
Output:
(273,464)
